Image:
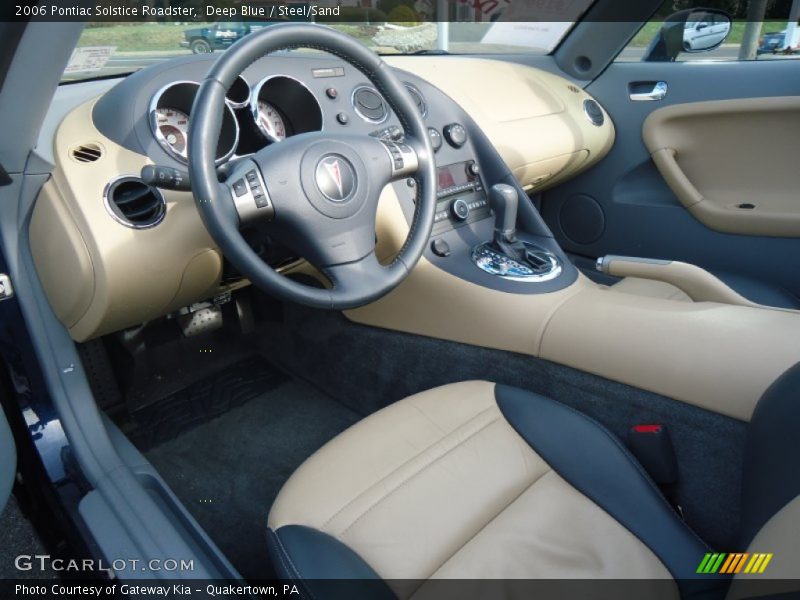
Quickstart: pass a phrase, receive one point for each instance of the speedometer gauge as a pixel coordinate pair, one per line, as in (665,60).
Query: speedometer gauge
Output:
(173,127)
(270,122)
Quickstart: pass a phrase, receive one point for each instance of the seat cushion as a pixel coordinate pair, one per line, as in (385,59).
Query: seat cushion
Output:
(473,480)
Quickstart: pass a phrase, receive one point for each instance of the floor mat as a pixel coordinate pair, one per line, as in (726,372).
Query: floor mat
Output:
(228,470)
(211,396)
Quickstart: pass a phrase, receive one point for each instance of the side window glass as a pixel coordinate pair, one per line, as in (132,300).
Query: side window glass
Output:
(721,30)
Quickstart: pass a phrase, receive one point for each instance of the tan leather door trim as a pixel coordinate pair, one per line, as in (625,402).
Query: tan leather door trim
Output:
(731,163)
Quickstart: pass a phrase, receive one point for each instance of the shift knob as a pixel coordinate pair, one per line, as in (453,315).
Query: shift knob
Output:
(504,200)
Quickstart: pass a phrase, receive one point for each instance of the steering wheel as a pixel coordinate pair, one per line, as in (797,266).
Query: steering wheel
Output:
(316,192)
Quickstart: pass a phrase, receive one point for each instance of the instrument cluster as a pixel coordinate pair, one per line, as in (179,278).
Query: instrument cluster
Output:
(275,108)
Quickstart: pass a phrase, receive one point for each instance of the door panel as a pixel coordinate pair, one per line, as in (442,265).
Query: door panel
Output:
(8,460)
(623,205)
(732,163)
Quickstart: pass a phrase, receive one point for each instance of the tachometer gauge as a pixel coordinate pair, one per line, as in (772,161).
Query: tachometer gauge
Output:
(173,127)
(270,122)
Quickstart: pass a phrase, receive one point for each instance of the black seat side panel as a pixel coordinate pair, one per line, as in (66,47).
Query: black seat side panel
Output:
(596,463)
(771,453)
(323,566)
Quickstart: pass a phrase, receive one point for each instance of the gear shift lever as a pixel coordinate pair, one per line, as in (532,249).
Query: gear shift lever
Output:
(506,256)
(504,201)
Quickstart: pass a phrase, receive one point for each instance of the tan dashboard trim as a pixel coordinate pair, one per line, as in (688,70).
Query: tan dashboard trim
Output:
(720,155)
(62,257)
(99,275)
(537,123)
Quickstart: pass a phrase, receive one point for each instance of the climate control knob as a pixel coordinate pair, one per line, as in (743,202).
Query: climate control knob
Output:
(456,135)
(460,209)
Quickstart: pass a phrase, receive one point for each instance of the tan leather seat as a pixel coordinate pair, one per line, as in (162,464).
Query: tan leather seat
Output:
(479,481)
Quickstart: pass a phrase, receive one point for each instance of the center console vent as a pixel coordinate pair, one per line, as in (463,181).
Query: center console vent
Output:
(133,203)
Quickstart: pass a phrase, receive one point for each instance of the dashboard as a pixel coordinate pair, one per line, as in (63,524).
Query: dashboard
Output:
(113,252)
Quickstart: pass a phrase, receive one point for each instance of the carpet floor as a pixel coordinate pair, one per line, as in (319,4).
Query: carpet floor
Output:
(228,470)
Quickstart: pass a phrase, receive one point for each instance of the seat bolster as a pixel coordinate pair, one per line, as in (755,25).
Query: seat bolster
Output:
(770,463)
(326,567)
(593,461)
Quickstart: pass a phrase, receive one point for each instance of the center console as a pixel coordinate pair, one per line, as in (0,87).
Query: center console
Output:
(461,196)
(486,230)
(477,234)
(462,200)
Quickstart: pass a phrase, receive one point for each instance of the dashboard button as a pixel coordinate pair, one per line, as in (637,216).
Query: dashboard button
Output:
(436,138)
(342,118)
(460,209)
(456,135)
(440,247)
(332,93)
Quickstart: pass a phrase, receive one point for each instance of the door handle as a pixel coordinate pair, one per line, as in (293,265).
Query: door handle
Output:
(647,91)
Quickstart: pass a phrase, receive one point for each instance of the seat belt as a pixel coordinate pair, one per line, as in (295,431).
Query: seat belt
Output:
(652,446)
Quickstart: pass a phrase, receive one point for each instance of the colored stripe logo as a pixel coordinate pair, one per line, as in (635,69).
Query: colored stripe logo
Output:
(736,562)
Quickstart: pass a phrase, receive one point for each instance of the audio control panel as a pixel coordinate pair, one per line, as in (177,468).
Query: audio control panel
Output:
(461,196)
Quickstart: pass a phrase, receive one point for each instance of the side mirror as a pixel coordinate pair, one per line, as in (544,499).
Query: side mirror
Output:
(692,30)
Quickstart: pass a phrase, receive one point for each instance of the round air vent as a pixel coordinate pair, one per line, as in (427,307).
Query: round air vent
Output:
(369,104)
(418,99)
(134,203)
(86,153)
(593,112)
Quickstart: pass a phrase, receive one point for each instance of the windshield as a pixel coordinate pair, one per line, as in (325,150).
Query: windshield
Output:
(108,48)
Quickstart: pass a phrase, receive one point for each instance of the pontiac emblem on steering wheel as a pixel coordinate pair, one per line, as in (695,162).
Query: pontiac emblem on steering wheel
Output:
(336,178)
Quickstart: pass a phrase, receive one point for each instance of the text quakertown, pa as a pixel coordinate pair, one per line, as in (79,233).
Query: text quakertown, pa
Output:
(110,590)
